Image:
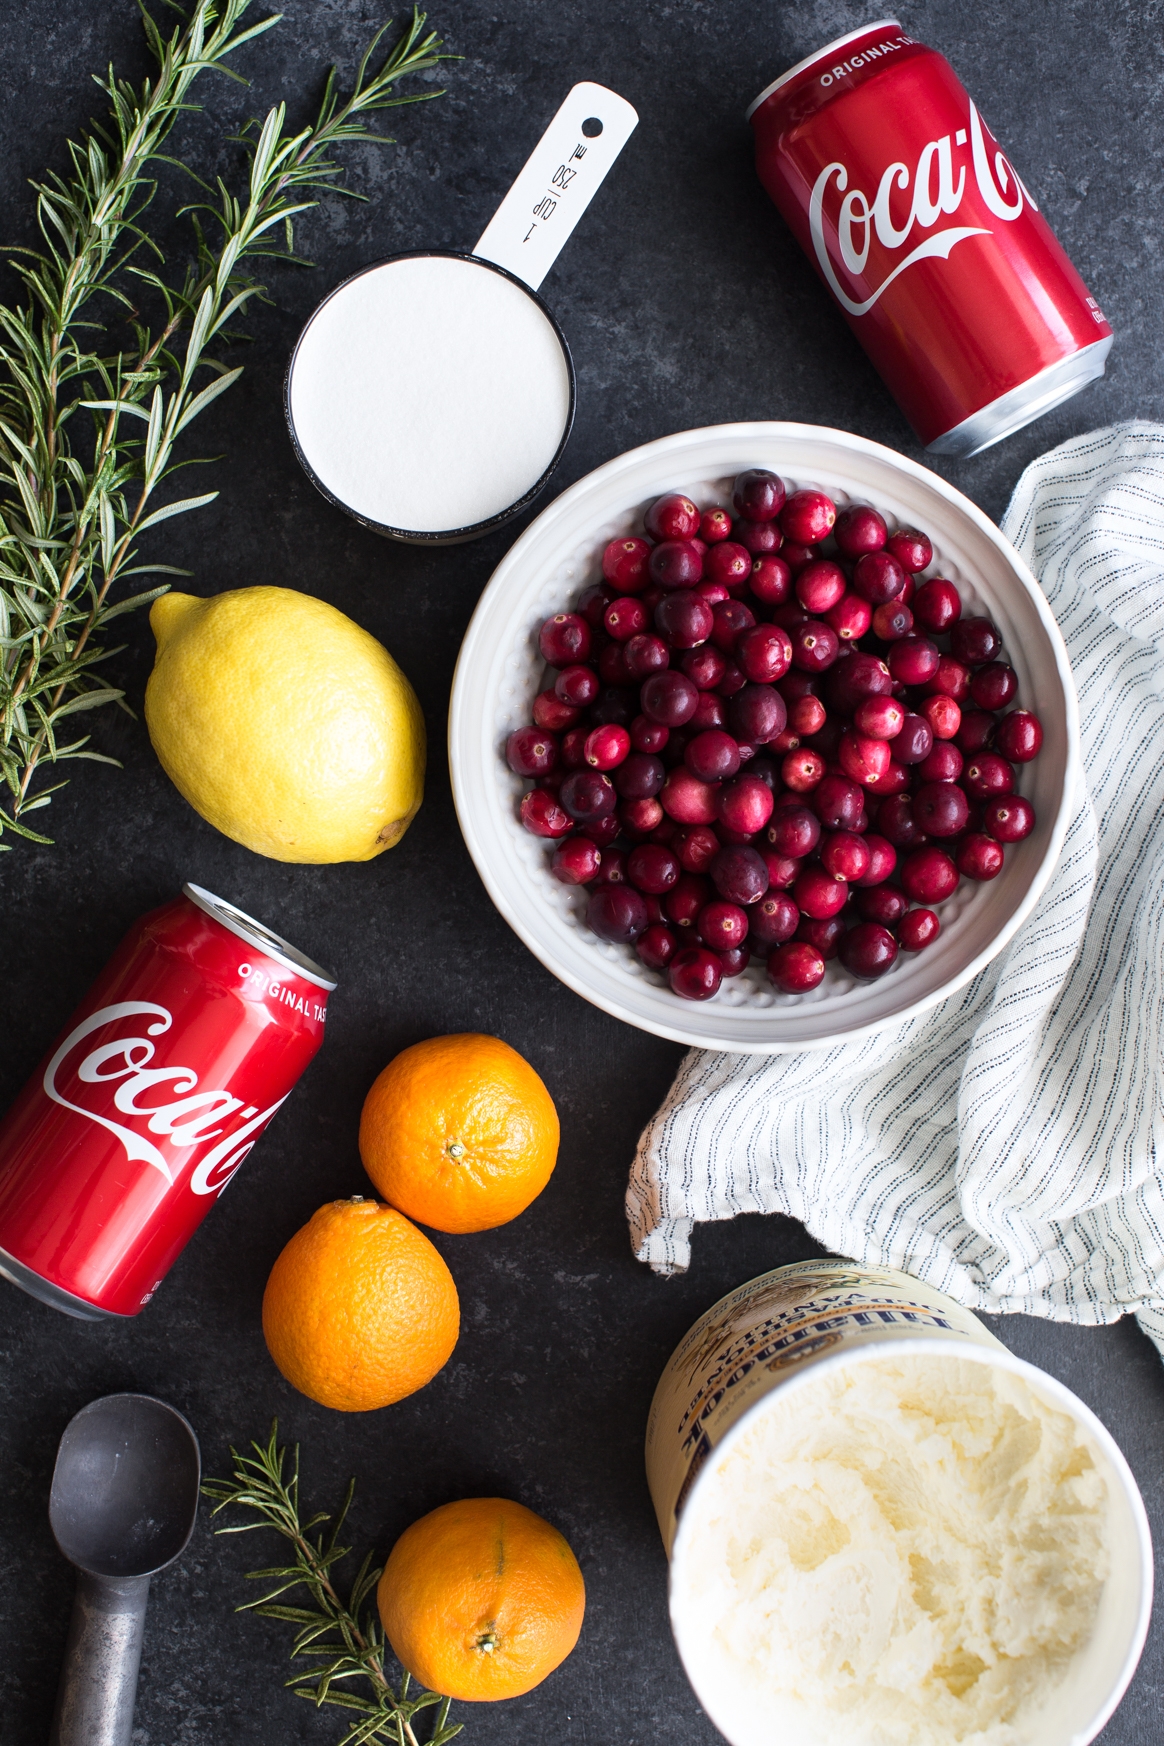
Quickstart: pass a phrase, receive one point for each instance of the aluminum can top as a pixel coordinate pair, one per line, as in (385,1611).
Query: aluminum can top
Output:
(255,934)
(884,26)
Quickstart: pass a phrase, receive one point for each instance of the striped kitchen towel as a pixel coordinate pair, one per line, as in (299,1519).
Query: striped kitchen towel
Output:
(1007,1146)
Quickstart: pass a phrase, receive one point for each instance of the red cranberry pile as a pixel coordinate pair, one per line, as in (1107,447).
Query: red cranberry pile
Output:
(769,737)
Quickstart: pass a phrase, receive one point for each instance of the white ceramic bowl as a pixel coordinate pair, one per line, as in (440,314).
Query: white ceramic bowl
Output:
(500,671)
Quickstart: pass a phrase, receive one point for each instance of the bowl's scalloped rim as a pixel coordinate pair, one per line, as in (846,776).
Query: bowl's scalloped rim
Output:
(743,432)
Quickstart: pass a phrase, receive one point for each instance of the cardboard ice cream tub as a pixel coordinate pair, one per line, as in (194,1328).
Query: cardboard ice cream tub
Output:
(887,1530)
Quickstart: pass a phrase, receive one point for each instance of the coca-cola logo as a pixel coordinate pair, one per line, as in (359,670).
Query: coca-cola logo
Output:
(908,201)
(182,1118)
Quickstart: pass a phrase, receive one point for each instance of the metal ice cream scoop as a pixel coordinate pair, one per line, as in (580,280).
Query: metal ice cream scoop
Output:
(123,1502)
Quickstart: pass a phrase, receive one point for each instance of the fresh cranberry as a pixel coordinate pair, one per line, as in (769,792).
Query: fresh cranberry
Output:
(657,946)
(913,660)
(782,869)
(673,517)
(928,875)
(676,564)
(822,932)
(917,929)
(648,736)
(845,855)
(744,804)
(602,831)
(728,563)
(796,685)
(531,751)
(624,564)
(878,577)
(573,750)
(613,866)
(807,716)
(645,654)
(817,893)
(735,961)
(713,755)
(794,831)
(894,779)
(949,679)
(640,776)
(617,913)
(607,746)
(565,639)
(1009,818)
(820,586)
(850,617)
(757,713)
(625,618)
(758,537)
(912,745)
(712,592)
(879,718)
(987,775)
(758,495)
(639,819)
(684,619)
(897,824)
(696,846)
(882,860)
(868,950)
(686,898)
(652,868)
(943,715)
(543,814)
(686,799)
(796,555)
(941,809)
(802,770)
(723,926)
(715,525)
(727,621)
(770,580)
(979,857)
(576,861)
(734,679)
(893,621)
(944,763)
(912,550)
(796,967)
(815,646)
(975,731)
(704,666)
(838,803)
(1019,736)
(695,973)
(850,681)
(863,758)
(884,904)
(710,712)
(615,703)
(937,604)
(669,698)
(859,529)
(764,652)
(576,686)
(587,795)
(593,602)
(740,874)
(974,641)
(772,921)
(551,713)
(807,517)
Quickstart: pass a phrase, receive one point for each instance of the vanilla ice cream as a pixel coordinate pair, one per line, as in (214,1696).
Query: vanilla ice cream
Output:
(905,1551)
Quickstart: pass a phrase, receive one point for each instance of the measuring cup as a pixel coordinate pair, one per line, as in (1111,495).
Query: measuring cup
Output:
(431,395)
(122,1507)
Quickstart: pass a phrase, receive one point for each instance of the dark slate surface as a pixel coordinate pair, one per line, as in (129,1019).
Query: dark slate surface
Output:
(685,303)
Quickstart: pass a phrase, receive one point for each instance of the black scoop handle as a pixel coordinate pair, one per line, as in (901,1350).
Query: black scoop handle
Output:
(98,1681)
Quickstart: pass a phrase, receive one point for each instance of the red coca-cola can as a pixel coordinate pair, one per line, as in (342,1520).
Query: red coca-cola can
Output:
(148,1102)
(928,240)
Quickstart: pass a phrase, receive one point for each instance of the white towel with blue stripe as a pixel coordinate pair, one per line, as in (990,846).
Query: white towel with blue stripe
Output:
(1007,1146)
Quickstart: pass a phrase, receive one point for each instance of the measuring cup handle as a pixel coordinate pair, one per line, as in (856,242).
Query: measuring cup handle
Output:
(98,1681)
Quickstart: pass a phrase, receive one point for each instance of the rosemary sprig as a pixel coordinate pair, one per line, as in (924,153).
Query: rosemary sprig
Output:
(344,1637)
(75,491)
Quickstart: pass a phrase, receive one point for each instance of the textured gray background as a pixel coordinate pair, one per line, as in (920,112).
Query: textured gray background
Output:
(685,303)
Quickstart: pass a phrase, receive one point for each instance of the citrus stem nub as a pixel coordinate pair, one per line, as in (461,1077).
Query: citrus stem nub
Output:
(487,1642)
(456,1150)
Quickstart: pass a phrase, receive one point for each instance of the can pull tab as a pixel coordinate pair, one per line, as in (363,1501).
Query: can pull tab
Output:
(560,178)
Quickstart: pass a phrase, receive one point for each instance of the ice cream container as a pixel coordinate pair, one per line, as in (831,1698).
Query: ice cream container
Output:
(432,394)
(885,1528)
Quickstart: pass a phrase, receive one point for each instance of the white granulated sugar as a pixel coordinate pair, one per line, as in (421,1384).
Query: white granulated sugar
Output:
(429,394)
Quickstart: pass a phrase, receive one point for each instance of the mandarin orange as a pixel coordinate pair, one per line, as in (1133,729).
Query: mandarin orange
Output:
(459,1133)
(360,1309)
(481,1599)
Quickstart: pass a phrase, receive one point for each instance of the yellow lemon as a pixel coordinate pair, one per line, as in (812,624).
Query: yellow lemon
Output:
(284,724)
